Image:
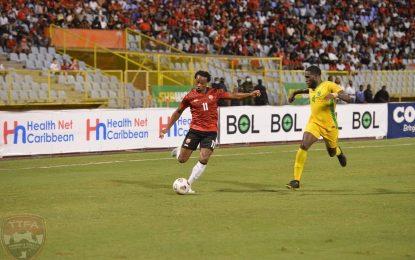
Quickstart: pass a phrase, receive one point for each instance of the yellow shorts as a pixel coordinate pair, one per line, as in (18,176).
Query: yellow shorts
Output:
(329,136)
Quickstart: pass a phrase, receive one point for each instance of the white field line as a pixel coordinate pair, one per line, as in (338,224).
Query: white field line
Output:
(357,147)
(194,157)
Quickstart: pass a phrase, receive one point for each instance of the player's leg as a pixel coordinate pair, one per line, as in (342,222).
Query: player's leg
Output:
(184,154)
(207,145)
(310,136)
(190,143)
(333,149)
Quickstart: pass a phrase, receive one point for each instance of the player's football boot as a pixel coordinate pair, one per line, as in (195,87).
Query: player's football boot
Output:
(342,159)
(190,191)
(175,152)
(294,184)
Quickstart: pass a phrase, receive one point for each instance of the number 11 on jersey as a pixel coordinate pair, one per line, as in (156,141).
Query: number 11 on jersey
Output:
(205,106)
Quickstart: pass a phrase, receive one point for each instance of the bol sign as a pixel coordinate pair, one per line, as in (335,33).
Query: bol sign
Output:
(23,236)
(244,124)
(365,120)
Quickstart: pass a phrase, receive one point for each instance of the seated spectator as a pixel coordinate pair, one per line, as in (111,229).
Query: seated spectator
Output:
(55,66)
(24,46)
(382,96)
(368,94)
(74,65)
(11,44)
(360,95)
(65,65)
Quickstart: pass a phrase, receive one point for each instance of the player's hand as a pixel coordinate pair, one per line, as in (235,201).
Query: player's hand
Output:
(291,98)
(256,93)
(162,133)
(331,96)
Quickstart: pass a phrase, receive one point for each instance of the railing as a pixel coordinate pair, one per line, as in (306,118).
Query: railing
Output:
(26,87)
(399,83)
(23,87)
(143,43)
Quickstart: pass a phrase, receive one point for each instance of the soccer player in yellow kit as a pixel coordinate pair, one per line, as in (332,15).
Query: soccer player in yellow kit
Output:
(322,120)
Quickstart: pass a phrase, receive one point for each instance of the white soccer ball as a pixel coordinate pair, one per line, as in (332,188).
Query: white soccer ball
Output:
(180,186)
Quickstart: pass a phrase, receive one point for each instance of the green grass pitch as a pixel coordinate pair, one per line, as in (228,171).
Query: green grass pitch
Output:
(121,206)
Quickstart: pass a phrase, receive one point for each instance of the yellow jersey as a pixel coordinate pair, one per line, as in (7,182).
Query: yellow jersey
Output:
(322,110)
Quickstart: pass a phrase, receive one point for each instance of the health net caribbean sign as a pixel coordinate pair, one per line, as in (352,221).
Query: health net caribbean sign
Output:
(68,131)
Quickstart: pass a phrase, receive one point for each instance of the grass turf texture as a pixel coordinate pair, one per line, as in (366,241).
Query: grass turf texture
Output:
(124,207)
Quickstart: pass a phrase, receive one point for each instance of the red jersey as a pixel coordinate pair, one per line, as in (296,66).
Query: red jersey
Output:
(204,108)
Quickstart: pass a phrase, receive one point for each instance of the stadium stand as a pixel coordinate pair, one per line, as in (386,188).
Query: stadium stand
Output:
(19,86)
(347,35)
(341,35)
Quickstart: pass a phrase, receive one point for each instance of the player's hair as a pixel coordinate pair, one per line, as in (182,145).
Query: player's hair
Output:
(314,70)
(204,74)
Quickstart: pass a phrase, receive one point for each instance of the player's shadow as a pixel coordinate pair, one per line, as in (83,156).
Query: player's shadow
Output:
(249,187)
(374,192)
(143,184)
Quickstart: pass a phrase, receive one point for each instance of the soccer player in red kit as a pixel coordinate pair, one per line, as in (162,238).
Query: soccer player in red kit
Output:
(203,103)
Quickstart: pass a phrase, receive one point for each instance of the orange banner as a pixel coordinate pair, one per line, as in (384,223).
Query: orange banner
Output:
(84,38)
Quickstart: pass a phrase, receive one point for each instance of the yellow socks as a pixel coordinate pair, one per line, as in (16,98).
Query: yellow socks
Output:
(300,159)
(338,151)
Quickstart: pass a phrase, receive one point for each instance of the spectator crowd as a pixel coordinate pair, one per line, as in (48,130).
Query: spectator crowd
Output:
(361,95)
(343,35)
(358,95)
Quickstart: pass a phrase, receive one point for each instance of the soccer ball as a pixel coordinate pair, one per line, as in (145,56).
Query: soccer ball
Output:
(180,186)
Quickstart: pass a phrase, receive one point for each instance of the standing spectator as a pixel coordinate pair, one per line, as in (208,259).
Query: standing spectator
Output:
(263,99)
(235,102)
(226,102)
(239,85)
(351,91)
(368,94)
(248,87)
(338,82)
(382,96)
(215,83)
(219,84)
(360,95)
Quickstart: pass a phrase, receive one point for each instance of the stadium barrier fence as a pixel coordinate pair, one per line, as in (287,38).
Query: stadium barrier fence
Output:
(70,131)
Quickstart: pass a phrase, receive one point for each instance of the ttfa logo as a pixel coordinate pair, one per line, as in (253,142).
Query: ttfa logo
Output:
(17,130)
(95,129)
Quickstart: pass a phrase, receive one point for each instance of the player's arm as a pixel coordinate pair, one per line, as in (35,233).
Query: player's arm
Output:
(297,92)
(176,115)
(337,92)
(341,95)
(255,93)
(345,97)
